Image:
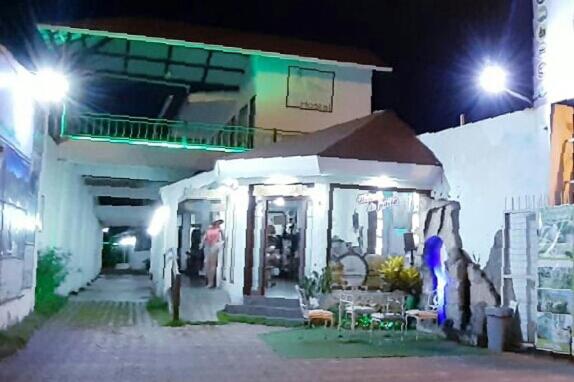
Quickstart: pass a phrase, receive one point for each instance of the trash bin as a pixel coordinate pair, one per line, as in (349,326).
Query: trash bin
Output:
(498,321)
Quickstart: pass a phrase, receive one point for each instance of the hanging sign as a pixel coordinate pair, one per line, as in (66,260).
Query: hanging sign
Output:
(377,201)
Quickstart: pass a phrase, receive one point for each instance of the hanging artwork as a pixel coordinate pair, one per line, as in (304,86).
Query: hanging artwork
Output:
(310,89)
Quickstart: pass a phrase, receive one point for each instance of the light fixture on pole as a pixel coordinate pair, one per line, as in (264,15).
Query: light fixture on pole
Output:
(493,79)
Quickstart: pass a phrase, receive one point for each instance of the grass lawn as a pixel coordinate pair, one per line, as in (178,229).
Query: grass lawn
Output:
(326,343)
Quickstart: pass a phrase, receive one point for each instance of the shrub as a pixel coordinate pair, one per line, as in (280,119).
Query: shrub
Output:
(397,277)
(50,272)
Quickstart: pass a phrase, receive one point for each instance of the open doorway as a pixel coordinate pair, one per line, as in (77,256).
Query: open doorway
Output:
(194,218)
(283,246)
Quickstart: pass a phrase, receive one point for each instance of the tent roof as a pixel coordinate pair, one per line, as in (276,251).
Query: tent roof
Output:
(227,38)
(381,136)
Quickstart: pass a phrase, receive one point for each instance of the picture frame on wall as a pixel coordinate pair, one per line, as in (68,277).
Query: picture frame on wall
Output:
(310,89)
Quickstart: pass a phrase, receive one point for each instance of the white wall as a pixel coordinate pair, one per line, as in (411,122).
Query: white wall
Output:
(488,161)
(352,96)
(69,222)
(235,236)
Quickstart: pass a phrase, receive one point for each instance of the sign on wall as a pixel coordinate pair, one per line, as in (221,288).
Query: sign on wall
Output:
(310,89)
(556,280)
(553,58)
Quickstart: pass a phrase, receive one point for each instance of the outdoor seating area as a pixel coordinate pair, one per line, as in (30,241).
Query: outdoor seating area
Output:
(371,310)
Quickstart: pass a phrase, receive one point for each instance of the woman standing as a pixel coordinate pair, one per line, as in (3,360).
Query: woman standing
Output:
(212,244)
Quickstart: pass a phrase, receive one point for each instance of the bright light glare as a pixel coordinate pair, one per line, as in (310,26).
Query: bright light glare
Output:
(158,220)
(279,202)
(493,79)
(50,86)
(106,230)
(128,241)
(382,181)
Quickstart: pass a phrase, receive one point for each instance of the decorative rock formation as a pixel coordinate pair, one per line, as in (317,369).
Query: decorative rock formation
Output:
(468,290)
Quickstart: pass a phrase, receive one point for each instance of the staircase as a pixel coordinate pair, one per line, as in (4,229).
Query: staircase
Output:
(273,309)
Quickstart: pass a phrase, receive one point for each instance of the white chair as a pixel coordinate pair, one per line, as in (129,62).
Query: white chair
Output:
(313,315)
(351,305)
(429,313)
(393,310)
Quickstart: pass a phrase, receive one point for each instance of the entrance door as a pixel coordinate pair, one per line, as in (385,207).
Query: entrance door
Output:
(283,246)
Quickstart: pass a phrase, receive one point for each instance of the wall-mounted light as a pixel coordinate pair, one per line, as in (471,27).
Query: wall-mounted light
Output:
(50,86)
(105,229)
(158,220)
(46,85)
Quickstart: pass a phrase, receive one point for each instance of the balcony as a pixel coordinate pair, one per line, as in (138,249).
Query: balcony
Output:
(168,133)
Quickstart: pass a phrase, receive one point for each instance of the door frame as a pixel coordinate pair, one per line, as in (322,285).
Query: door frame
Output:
(303,238)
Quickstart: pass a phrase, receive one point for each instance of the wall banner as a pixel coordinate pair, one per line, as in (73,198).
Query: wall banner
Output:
(556,280)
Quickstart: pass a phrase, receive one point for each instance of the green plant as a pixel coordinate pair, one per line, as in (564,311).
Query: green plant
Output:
(397,277)
(317,284)
(50,272)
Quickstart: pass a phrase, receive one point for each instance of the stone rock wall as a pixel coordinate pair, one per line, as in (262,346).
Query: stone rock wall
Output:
(469,291)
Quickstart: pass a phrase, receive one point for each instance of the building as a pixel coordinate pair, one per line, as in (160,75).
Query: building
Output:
(151,103)
(344,194)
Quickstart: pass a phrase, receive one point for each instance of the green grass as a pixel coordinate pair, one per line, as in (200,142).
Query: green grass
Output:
(159,311)
(224,317)
(326,343)
(16,336)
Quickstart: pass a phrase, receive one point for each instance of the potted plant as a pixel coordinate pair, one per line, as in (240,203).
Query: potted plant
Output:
(317,286)
(396,276)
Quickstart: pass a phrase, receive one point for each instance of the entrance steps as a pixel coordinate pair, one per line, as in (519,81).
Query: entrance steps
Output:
(270,308)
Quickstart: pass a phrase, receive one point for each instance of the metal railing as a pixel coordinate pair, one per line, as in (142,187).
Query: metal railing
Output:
(168,133)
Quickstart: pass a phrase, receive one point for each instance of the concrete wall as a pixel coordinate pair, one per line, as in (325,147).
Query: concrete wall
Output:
(490,161)
(68,221)
(352,96)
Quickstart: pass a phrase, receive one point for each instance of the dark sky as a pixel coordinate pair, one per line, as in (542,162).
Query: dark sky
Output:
(435,46)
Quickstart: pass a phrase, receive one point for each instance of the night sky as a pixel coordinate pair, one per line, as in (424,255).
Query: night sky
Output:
(435,46)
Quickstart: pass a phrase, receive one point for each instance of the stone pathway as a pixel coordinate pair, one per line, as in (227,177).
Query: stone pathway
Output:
(108,341)
(200,304)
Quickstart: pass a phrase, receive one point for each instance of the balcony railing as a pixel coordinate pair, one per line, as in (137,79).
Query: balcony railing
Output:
(168,133)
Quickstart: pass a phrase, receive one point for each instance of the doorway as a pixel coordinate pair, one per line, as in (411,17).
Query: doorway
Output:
(283,246)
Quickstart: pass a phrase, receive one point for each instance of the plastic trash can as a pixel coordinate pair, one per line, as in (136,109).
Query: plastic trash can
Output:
(498,321)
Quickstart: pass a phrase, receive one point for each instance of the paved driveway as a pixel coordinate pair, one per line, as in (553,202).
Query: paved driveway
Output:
(108,341)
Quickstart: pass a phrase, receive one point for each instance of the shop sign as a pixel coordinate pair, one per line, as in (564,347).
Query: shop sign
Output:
(377,202)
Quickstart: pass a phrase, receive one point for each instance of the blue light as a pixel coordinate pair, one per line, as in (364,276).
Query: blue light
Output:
(435,257)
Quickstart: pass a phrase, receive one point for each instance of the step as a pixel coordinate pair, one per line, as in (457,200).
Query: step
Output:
(273,321)
(264,311)
(271,301)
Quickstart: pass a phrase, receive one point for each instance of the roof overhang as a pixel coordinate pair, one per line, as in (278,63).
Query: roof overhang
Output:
(201,45)
(351,171)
